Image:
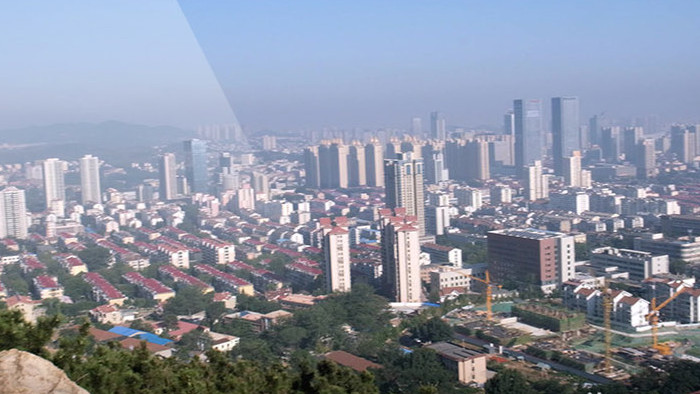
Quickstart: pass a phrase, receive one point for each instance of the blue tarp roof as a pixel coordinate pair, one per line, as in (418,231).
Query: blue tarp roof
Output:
(146,336)
(125,331)
(153,338)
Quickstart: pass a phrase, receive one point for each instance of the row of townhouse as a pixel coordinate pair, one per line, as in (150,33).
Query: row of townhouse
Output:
(302,274)
(102,290)
(150,287)
(627,312)
(685,308)
(47,287)
(71,263)
(226,280)
(180,277)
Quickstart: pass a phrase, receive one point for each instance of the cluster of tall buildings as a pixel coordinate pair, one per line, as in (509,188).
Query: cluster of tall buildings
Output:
(333,164)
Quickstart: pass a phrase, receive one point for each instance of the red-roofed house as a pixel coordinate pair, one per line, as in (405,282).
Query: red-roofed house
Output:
(47,287)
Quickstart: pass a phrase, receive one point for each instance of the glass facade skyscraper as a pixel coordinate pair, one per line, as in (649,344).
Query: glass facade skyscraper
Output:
(196,165)
(565,130)
(528,133)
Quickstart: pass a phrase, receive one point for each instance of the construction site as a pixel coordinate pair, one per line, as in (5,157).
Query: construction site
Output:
(585,329)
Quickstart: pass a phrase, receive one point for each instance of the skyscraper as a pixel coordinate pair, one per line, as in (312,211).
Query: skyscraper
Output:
(336,251)
(572,169)
(261,184)
(54,183)
(683,143)
(90,179)
(438,129)
(403,177)
(196,165)
(536,185)
(565,130)
(401,255)
(646,159)
(610,143)
(528,133)
(333,164)
(357,173)
(374,156)
(13,213)
(434,162)
(631,138)
(168,177)
(312,168)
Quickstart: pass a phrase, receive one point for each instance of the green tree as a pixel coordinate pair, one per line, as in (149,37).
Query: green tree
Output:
(508,381)
(187,301)
(434,330)
(95,257)
(17,333)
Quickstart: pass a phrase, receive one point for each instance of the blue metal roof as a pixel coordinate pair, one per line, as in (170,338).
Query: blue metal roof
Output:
(125,331)
(153,338)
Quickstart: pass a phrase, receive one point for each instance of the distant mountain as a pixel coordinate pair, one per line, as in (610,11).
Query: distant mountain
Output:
(110,140)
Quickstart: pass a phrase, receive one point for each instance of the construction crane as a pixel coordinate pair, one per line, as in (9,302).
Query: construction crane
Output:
(489,293)
(607,309)
(653,318)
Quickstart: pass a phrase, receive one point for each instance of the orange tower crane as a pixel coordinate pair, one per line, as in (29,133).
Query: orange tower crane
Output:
(489,293)
(653,318)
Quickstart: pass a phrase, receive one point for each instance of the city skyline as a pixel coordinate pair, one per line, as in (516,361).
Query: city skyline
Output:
(441,68)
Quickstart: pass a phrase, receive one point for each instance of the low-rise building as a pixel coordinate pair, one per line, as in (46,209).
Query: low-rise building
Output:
(469,365)
(229,281)
(443,254)
(682,248)
(149,287)
(47,287)
(182,278)
(72,263)
(639,265)
(102,290)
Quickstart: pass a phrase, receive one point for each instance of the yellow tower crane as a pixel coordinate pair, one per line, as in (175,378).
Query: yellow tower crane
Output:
(653,318)
(489,293)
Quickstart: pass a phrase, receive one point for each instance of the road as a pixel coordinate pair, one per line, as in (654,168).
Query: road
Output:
(530,358)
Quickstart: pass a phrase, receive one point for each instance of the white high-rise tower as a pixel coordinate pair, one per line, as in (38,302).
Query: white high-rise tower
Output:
(13,213)
(54,184)
(90,179)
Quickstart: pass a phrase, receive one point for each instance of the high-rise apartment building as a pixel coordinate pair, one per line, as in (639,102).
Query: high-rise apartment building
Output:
(374,155)
(336,250)
(90,179)
(333,163)
(434,161)
(403,177)
(646,159)
(357,171)
(571,169)
(469,197)
(168,177)
(312,169)
(683,142)
(196,165)
(438,129)
(610,143)
(54,183)
(631,138)
(565,130)
(13,213)
(401,255)
(536,183)
(529,142)
(531,256)
(261,184)
(468,160)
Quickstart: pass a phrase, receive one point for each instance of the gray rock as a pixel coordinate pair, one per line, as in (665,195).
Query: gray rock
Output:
(25,373)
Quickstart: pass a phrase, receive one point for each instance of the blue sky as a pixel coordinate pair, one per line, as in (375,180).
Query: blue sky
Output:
(311,64)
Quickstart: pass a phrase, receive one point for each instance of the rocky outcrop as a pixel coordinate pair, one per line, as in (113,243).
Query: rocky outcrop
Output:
(25,373)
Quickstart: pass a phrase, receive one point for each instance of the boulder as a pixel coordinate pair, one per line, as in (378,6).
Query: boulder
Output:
(25,373)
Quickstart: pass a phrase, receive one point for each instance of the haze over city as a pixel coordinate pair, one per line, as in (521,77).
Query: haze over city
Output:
(452,197)
(305,65)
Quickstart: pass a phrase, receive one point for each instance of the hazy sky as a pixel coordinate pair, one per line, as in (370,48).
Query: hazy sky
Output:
(310,64)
